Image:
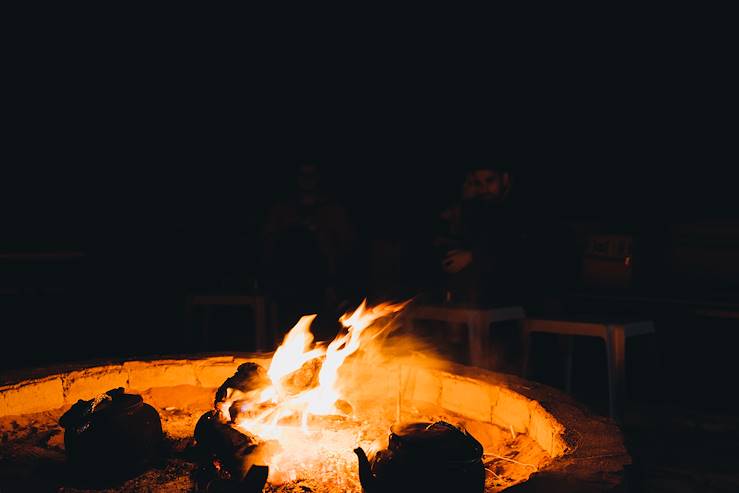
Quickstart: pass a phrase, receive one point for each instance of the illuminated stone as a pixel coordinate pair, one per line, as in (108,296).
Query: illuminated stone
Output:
(163,373)
(465,397)
(88,383)
(512,409)
(31,396)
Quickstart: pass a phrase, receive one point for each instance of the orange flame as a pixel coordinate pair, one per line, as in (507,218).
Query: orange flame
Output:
(343,346)
(296,350)
(293,353)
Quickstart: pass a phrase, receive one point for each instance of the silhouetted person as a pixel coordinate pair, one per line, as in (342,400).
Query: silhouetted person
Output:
(479,240)
(307,241)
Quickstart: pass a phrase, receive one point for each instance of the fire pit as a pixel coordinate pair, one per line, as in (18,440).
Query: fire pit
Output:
(530,434)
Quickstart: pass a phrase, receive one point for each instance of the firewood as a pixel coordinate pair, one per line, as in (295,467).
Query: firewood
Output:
(244,409)
(302,379)
(237,451)
(249,377)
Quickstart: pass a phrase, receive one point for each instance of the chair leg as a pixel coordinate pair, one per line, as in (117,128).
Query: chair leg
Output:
(478,340)
(616,352)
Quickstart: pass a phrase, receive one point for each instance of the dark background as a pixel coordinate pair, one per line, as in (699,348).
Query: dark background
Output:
(138,163)
(156,165)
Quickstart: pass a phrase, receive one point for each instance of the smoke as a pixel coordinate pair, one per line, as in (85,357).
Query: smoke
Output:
(377,372)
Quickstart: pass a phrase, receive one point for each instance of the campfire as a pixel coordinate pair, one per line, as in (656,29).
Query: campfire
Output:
(303,413)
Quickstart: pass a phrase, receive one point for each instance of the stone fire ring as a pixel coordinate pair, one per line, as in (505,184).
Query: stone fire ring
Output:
(587,451)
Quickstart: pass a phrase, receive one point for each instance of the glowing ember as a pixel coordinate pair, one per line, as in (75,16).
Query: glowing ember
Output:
(304,408)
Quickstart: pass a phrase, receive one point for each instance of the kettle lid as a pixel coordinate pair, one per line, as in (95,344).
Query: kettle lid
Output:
(439,438)
(112,402)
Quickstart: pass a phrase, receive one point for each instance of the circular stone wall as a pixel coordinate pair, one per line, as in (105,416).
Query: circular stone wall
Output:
(583,448)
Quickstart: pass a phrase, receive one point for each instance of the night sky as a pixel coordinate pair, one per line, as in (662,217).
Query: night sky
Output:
(161,168)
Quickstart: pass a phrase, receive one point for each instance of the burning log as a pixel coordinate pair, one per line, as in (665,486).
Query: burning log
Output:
(243,409)
(302,379)
(241,391)
(233,460)
(249,378)
(237,452)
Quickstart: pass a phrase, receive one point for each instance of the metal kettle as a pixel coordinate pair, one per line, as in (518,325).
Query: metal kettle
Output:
(112,436)
(424,456)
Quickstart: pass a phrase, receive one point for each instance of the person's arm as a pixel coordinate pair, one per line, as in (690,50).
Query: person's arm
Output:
(457,260)
(483,255)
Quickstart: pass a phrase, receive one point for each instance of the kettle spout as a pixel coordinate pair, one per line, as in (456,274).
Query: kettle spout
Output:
(366,478)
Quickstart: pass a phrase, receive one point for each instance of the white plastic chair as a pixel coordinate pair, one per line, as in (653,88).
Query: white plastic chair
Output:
(477,320)
(614,334)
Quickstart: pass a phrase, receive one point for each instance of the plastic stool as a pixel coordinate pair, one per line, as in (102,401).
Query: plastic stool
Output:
(614,334)
(478,321)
